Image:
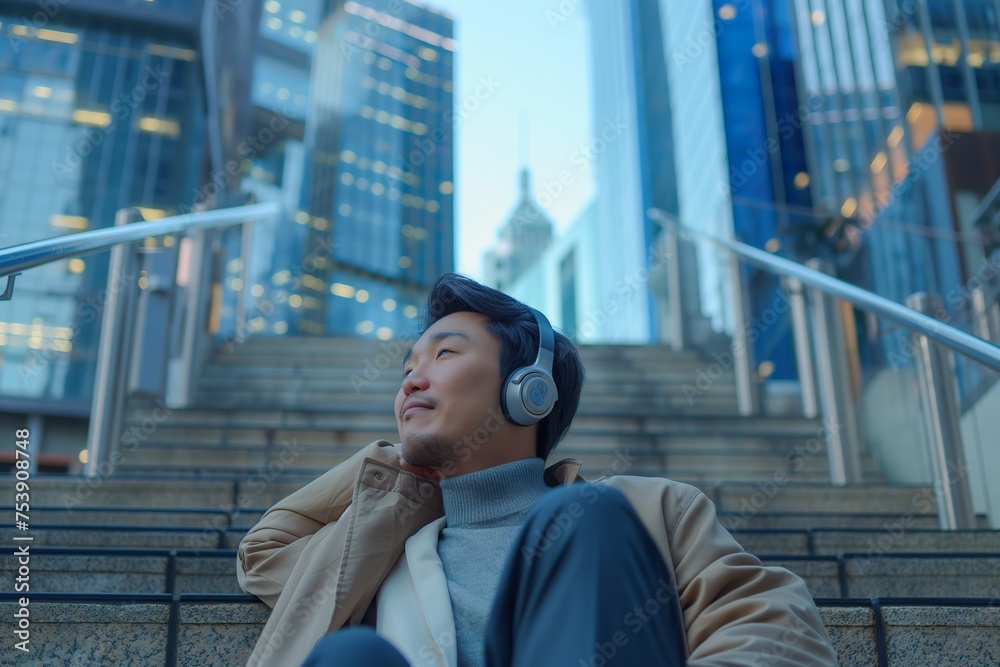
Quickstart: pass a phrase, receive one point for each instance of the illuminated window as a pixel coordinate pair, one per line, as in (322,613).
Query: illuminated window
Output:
(274,23)
(362,296)
(727,12)
(297,16)
(389,305)
(802,180)
(87,117)
(171,128)
(849,208)
(446,187)
(384,333)
(878,164)
(405,262)
(56,36)
(347,179)
(342,290)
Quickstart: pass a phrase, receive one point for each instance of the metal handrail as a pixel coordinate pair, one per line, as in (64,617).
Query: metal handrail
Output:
(958,340)
(36,253)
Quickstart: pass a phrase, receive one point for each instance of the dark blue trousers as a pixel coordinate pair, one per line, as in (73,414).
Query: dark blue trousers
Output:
(584,586)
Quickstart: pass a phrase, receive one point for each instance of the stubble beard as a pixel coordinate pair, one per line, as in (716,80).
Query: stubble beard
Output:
(427,450)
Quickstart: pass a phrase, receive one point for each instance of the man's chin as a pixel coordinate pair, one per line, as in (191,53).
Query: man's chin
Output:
(426,450)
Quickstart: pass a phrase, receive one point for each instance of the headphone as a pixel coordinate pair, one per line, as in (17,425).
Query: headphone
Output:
(530,392)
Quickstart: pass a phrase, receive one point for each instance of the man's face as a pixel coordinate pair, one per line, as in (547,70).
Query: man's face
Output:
(448,407)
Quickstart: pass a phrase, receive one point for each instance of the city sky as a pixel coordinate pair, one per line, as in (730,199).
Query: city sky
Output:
(520,62)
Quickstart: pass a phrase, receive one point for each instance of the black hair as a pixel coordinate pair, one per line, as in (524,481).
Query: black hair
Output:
(513,324)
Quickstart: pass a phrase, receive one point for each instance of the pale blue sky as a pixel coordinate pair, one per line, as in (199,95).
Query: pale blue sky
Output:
(539,65)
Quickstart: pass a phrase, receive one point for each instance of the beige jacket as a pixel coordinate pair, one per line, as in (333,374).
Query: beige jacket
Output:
(327,553)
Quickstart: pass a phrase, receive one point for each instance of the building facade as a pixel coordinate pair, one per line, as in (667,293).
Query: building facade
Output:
(363,164)
(101,108)
(904,103)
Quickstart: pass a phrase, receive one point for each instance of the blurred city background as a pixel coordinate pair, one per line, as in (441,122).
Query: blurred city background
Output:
(522,143)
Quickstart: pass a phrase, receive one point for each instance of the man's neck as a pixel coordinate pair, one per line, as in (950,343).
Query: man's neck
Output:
(491,494)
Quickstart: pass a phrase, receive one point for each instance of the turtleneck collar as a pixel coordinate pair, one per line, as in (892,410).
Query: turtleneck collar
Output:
(494,493)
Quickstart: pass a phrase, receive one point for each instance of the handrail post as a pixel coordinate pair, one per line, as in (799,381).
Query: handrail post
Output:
(676,308)
(747,389)
(985,299)
(942,416)
(108,404)
(803,355)
(842,440)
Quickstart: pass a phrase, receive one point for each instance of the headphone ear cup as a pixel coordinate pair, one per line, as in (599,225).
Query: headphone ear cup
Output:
(529,395)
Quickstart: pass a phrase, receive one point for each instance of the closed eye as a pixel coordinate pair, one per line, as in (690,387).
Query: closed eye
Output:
(440,352)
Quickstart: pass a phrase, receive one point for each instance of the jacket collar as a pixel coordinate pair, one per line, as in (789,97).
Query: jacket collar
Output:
(565,471)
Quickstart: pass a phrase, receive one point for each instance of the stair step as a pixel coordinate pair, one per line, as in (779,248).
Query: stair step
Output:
(220,631)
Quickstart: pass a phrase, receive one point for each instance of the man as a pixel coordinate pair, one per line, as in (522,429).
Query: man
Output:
(460,548)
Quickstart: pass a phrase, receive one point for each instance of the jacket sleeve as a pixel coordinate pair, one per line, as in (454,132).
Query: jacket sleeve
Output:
(269,551)
(736,611)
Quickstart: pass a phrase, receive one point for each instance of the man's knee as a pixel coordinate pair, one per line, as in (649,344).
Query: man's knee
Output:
(582,504)
(353,643)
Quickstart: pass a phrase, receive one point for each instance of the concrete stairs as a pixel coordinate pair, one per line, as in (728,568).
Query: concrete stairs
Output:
(138,568)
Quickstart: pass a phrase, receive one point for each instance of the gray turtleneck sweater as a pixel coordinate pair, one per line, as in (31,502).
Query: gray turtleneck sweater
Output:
(484,511)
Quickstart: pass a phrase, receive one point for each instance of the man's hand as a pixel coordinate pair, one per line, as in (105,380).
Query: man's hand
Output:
(433,474)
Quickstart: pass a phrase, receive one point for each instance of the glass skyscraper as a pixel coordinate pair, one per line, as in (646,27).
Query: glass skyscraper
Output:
(379,170)
(904,103)
(364,165)
(100,108)
(768,174)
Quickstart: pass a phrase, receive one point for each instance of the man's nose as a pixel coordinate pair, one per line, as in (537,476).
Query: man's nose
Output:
(414,381)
